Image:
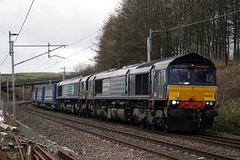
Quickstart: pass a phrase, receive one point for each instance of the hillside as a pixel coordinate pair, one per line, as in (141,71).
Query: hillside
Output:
(30,76)
(228,79)
(228,98)
(21,77)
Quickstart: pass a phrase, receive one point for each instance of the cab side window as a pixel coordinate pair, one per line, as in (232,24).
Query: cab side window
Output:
(161,77)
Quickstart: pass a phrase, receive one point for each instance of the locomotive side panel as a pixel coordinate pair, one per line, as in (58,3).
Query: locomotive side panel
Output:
(118,86)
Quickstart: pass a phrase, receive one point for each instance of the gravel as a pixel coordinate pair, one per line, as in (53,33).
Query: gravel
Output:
(54,136)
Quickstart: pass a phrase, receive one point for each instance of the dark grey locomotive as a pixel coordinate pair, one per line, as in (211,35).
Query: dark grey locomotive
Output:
(176,93)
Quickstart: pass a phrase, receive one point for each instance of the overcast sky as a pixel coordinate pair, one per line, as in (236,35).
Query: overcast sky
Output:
(56,22)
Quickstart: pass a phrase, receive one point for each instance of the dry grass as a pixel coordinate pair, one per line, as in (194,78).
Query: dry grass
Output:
(228,98)
(228,80)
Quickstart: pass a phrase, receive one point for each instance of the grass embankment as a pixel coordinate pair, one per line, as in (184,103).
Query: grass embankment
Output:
(29,76)
(25,77)
(228,98)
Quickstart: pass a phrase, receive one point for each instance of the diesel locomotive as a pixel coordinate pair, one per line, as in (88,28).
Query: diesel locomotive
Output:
(173,94)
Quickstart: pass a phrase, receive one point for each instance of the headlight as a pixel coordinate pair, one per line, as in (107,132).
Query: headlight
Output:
(209,103)
(174,102)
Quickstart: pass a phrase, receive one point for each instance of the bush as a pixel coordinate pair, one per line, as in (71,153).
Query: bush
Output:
(228,119)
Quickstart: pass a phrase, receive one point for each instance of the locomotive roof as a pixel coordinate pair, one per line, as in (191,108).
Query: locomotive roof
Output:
(113,72)
(86,77)
(191,58)
(146,66)
(70,81)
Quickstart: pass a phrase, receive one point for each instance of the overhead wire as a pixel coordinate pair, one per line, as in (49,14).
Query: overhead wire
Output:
(4,59)
(198,22)
(25,19)
(71,45)
(69,56)
(186,25)
(46,61)
(84,37)
(36,56)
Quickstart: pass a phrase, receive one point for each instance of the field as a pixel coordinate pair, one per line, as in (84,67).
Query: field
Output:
(29,76)
(25,77)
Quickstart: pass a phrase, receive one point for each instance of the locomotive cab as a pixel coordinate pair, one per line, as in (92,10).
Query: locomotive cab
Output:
(191,94)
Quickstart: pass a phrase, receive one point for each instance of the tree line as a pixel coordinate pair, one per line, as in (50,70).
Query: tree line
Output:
(207,27)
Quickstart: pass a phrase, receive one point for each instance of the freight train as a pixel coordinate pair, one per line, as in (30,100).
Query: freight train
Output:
(173,94)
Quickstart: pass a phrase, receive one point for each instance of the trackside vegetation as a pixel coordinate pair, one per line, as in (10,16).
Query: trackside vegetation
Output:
(228,119)
(228,99)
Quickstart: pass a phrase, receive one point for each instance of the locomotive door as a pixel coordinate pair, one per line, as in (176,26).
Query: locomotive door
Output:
(160,89)
(151,82)
(127,84)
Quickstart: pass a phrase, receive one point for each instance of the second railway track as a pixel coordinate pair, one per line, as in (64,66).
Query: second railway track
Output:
(137,141)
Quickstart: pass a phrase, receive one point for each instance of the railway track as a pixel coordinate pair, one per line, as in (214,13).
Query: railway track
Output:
(211,140)
(90,131)
(220,141)
(142,141)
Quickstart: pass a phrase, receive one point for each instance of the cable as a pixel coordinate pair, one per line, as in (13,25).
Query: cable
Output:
(89,48)
(50,66)
(19,30)
(4,59)
(37,56)
(24,20)
(69,57)
(71,45)
(187,25)
(80,51)
(84,37)
(121,52)
(41,65)
(191,24)
(47,61)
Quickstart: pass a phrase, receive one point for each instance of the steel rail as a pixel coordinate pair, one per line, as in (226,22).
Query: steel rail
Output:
(222,139)
(207,140)
(46,155)
(107,138)
(200,152)
(37,155)
(19,149)
(2,156)
(65,155)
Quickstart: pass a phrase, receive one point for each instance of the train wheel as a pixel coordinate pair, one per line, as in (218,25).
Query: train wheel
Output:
(80,113)
(165,128)
(142,125)
(103,117)
(153,127)
(86,115)
(136,119)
